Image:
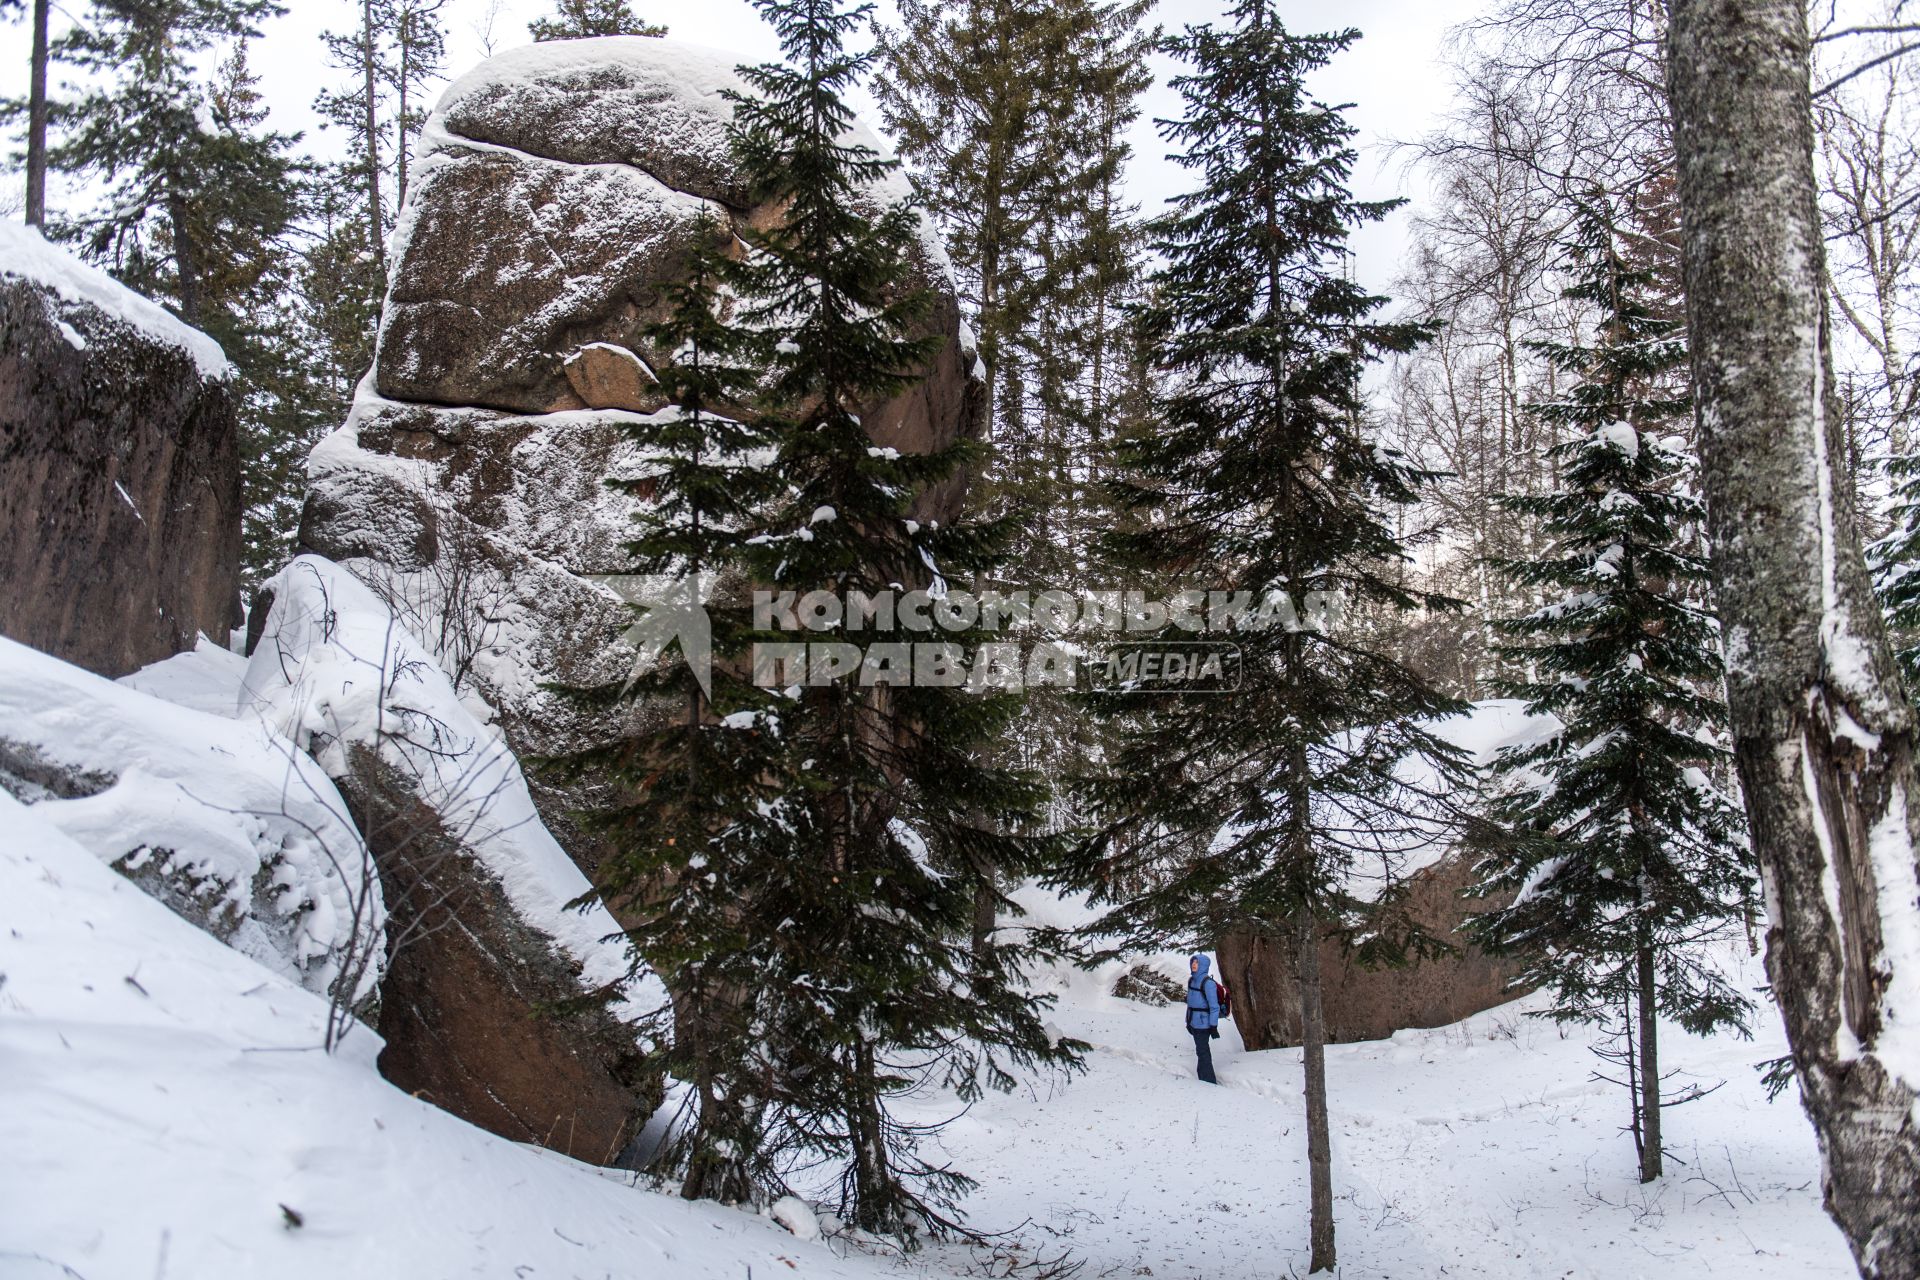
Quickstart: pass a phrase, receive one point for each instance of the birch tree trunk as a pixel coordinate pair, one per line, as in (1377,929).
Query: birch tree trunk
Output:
(1823,731)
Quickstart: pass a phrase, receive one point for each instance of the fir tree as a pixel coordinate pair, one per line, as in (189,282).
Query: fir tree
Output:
(394,53)
(202,211)
(700,824)
(1012,116)
(180,184)
(1281,809)
(864,944)
(580,19)
(778,861)
(1623,850)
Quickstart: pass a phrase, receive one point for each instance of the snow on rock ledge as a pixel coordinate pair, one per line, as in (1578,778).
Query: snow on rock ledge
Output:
(502,1004)
(25,255)
(222,820)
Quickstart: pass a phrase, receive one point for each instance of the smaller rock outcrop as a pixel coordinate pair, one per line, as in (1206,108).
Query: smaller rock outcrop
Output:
(119,468)
(1370,1004)
(501,1003)
(219,818)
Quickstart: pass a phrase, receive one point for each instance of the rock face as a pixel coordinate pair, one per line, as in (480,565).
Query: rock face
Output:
(559,187)
(1369,1004)
(119,468)
(482,1015)
(500,1003)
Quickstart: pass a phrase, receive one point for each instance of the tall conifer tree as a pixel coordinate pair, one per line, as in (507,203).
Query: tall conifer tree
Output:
(701,822)
(802,855)
(881,987)
(1279,808)
(1623,849)
(1260,478)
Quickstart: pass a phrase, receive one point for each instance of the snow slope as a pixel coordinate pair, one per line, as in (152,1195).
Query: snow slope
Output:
(164,1113)
(225,816)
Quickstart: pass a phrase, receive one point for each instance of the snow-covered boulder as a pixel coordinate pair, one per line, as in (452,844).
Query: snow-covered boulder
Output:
(558,187)
(221,819)
(500,1003)
(119,467)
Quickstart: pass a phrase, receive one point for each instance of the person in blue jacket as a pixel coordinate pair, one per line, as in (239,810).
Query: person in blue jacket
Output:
(1203,1013)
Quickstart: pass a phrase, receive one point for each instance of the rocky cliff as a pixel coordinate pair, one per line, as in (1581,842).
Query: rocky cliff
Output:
(119,468)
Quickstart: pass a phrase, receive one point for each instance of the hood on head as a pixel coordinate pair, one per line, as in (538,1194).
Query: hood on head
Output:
(1205,965)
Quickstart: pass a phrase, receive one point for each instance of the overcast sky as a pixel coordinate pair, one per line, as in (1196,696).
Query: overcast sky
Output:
(1394,76)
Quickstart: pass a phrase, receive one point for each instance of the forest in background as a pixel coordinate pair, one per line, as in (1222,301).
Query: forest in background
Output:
(1453,456)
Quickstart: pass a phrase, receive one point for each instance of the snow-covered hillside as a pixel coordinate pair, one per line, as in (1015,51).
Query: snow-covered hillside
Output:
(166,1109)
(164,1099)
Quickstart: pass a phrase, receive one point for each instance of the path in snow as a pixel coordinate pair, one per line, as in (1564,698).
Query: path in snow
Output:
(1483,1149)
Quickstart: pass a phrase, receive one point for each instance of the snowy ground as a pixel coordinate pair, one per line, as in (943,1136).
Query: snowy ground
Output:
(1480,1149)
(164,1112)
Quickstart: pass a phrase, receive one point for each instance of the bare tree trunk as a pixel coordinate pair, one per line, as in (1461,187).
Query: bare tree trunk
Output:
(986,910)
(376,232)
(1313,1060)
(37,121)
(1650,1156)
(1823,731)
(186,257)
(872,1181)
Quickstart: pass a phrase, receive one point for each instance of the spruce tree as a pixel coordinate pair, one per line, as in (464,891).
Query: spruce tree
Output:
(800,857)
(581,19)
(882,990)
(180,184)
(700,821)
(1623,850)
(1012,115)
(201,209)
(1281,809)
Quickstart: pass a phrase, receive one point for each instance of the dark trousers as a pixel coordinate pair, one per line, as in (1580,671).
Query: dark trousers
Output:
(1203,1048)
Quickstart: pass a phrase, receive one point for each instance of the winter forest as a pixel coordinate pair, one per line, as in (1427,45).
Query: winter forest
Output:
(959,638)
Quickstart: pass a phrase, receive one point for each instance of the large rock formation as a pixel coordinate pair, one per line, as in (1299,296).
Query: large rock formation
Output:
(559,186)
(1370,1004)
(119,468)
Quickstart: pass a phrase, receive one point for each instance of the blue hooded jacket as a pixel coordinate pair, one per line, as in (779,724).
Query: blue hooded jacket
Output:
(1203,998)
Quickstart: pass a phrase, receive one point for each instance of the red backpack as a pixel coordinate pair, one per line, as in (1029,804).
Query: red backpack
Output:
(1226,1000)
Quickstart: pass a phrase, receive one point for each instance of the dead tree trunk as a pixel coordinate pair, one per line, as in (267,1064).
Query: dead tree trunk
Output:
(1823,731)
